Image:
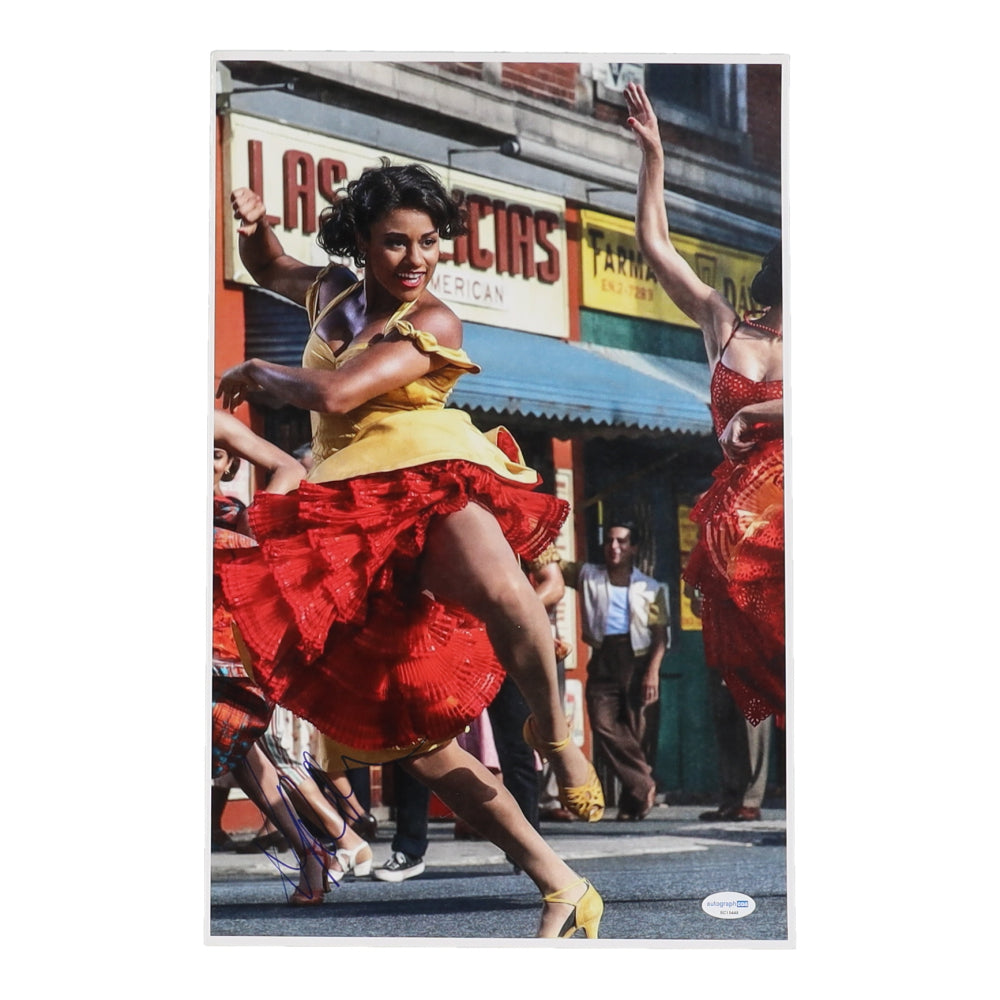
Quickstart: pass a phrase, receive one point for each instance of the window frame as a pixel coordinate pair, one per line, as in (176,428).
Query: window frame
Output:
(726,121)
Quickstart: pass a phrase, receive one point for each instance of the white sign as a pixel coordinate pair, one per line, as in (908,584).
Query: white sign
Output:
(509,270)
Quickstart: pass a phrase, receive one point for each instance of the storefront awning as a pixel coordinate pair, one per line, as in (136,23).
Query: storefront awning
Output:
(539,376)
(689,376)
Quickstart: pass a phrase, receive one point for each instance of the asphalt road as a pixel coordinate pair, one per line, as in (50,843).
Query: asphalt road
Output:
(654,877)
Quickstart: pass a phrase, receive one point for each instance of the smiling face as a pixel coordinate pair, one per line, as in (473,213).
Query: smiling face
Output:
(401,252)
(619,552)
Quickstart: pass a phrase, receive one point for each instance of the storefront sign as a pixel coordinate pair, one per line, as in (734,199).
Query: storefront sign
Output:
(687,532)
(509,270)
(617,279)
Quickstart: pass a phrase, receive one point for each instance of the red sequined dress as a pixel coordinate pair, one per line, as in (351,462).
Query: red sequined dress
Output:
(739,561)
(330,604)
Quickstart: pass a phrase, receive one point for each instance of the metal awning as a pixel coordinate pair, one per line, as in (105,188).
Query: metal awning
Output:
(690,376)
(540,376)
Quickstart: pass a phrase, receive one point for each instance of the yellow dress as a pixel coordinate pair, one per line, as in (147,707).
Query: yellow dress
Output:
(330,604)
(407,426)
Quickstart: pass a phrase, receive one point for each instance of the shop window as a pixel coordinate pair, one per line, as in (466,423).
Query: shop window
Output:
(708,97)
(703,97)
(681,85)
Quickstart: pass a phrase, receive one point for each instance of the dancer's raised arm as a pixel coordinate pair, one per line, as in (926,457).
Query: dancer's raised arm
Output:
(262,253)
(697,300)
(284,471)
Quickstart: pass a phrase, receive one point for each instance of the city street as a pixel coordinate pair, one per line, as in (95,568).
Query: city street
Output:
(653,876)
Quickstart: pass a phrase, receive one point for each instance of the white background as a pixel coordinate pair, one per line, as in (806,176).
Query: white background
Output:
(108,120)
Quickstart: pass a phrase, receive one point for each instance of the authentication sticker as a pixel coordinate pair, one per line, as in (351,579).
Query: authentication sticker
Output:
(728,905)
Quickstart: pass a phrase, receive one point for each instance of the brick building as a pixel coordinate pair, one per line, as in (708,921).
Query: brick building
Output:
(601,379)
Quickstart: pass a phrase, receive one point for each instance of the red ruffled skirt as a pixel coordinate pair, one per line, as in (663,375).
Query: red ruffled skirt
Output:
(331,610)
(739,566)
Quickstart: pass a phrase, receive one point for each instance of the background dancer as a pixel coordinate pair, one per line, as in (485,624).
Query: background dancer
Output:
(738,564)
(240,709)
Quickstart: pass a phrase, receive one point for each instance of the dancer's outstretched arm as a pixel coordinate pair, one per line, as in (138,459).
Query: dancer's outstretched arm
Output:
(696,299)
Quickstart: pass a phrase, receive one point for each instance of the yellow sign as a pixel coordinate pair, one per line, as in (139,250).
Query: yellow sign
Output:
(617,279)
(687,532)
(509,270)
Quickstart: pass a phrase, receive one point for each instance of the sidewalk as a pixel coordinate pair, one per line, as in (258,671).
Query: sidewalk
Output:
(666,829)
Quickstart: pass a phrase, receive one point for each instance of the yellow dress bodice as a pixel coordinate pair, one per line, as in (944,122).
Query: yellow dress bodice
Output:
(406,426)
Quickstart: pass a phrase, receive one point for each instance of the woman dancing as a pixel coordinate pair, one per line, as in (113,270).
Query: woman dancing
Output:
(386,592)
(738,564)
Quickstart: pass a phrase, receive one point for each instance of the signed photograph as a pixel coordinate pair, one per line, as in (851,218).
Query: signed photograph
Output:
(498,567)
(405,557)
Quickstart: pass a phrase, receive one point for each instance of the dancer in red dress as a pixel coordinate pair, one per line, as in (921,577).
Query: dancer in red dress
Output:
(738,565)
(386,601)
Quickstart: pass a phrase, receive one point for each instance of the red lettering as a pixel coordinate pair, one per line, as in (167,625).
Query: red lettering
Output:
(519,233)
(330,173)
(548,269)
(522,242)
(479,256)
(255,156)
(299,186)
(502,237)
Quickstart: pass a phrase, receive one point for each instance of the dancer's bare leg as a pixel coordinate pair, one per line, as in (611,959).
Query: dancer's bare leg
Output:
(259,778)
(479,797)
(309,796)
(347,800)
(309,800)
(468,562)
(329,808)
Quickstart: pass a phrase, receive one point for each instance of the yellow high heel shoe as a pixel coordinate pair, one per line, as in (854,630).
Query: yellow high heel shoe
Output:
(587,910)
(585,801)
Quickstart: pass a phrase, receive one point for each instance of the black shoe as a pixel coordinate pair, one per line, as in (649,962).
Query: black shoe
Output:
(723,814)
(556,814)
(399,868)
(366,827)
(270,842)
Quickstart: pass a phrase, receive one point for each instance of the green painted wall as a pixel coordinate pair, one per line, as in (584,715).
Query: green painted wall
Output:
(643,335)
(647,479)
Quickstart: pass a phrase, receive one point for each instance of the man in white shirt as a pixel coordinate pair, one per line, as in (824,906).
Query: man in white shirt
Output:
(625,617)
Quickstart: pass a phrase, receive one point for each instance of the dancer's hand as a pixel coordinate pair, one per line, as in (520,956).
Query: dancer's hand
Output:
(248,207)
(751,426)
(739,436)
(236,384)
(642,120)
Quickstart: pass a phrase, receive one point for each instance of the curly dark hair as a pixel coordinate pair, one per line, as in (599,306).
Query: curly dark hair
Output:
(766,285)
(380,190)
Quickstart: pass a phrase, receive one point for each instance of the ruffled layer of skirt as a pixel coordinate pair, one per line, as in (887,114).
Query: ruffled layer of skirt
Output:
(330,609)
(739,565)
